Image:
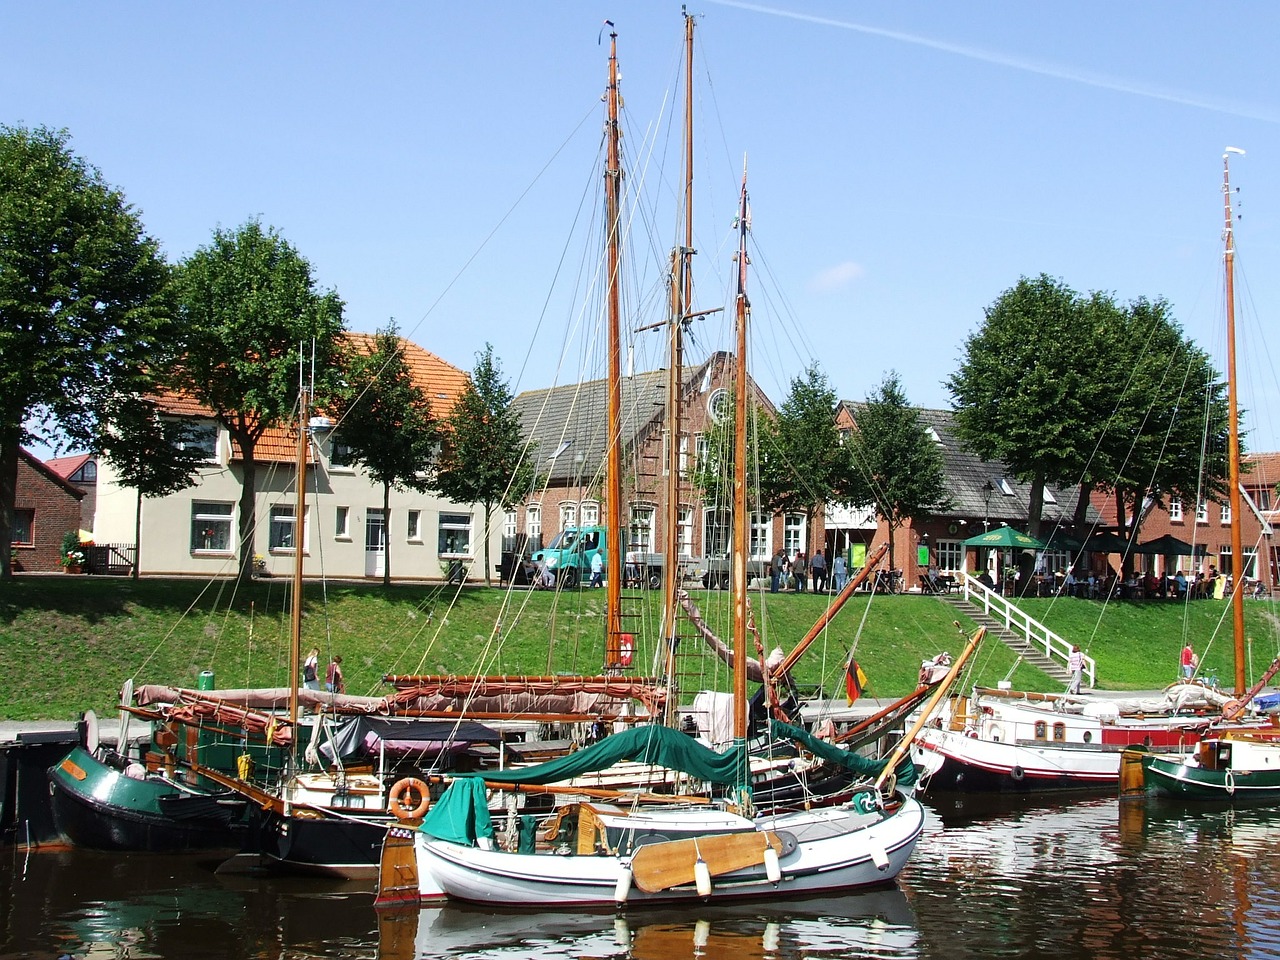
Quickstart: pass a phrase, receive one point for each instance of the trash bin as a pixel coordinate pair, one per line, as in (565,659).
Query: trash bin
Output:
(205,682)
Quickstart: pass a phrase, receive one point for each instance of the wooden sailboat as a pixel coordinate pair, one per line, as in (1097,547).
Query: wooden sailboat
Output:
(595,853)
(1235,764)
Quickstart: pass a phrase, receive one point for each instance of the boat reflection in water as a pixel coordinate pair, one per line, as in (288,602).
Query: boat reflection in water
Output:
(873,923)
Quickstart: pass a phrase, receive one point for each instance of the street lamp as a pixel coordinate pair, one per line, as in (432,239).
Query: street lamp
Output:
(987,490)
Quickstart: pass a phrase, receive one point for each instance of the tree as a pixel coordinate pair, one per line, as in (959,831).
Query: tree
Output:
(149,454)
(386,422)
(895,465)
(803,465)
(483,458)
(81,301)
(248,305)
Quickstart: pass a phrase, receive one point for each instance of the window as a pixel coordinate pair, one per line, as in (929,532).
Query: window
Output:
(718,403)
(1262,497)
(210,527)
(1202,512)
(1175,511)
(949,555)
(87,473)
(508,524)
(761,528)
(589,513)
(1041,729)
(793,533)
(716,533)
(533,521)
(202,437)
(1005,488)
(413,529)
(341,456)
(1060,732)
(568,515)
(684,531)
(1250,563)
(1225,514)
(281,536)
(24,525)
(1225,566)
(342,523)
(700,449)
(641,528)
(455,535)
(683,454)
(1051,561)
(1048,495)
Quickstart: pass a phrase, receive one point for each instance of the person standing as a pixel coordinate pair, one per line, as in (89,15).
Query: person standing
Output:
(800,570)
(841,572)
(1075,663)
(776,567)
(311,670)
(819,567)
(597,569)
(1188,661)
(333,681)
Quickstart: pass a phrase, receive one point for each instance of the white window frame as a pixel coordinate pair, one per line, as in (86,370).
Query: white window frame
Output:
(640,532)
(949,555)
(281,535)
(793,533)
(568,515)
(209,521)
(717,531)
(413,526)
(508,524)
(204,437)
(1202,512)
(533,520)
(339,455)
(1175,511)
(589,513)
(1224,514)
(447,528)
(761,536)
(684,531)
(342,523)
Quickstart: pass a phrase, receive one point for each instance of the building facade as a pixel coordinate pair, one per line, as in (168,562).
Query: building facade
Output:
(46,507)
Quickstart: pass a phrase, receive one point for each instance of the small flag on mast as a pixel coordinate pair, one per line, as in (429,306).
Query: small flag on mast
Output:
(855,681)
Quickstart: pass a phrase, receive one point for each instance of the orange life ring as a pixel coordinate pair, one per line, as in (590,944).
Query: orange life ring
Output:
(398,801)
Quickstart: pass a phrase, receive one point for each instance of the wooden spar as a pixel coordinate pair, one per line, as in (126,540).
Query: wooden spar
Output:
(740,519)
(680,293)
(615,547)
(1233,430)
(927,712)
(829,614)
(909,700)
(1234,709)
(295,619)
(598,793)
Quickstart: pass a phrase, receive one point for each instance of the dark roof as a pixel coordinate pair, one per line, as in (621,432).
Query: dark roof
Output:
(966,474)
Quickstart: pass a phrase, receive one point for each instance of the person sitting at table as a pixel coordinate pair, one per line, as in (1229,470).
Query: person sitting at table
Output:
(1151,586)
(1070,585)
(1180,584)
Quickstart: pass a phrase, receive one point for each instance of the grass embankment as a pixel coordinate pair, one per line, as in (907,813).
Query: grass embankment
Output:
(68,643)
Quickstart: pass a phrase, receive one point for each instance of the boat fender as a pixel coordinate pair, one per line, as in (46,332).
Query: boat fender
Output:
(400,800)
(622,889)
(879,857)
(702,877)
(1231,784)
(1017,773)
(772,869)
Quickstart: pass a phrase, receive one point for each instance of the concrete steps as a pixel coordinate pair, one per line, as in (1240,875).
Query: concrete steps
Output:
(1029,653)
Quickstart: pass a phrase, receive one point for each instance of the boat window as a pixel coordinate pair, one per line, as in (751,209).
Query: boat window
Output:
(1088,736)
(1060,732)
(1041,727)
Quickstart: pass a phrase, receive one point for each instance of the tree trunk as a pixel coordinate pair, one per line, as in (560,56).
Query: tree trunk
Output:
(386,534)
(137,536)
(8,494)
(488,566)
(1027,558)
(248,505)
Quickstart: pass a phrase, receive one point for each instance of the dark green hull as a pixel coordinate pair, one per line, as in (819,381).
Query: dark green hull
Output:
(1177,779)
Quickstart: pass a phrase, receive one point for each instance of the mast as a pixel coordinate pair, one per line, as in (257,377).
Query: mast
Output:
(740,519)
(613,463)
(295,618)
(1233,427)
(681,295)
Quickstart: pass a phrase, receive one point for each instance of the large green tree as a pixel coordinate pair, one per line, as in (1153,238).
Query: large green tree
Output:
(483,459)
(386,423)
(253,327)
(82,310)
(803,464)
(894,463)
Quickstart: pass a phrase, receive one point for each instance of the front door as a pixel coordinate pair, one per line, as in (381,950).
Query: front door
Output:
(375,543)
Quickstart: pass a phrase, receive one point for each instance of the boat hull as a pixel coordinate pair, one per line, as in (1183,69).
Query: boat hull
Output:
(1251,775)
(97,806)
(836,850)
(347,846)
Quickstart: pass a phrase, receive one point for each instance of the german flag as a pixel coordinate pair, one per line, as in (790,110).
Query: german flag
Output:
(855,681)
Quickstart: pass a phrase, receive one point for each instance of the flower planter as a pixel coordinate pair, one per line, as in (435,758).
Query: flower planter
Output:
(72,568)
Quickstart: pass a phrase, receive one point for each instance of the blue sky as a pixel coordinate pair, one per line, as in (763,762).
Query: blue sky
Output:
(908,161)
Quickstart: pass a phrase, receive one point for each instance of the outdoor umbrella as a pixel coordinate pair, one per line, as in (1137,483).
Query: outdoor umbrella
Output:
(1170,546)
(1106,543)
(1005,537)
(1061,540)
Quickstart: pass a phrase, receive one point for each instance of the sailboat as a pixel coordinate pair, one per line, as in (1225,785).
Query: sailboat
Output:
(1237,764)
(630,851)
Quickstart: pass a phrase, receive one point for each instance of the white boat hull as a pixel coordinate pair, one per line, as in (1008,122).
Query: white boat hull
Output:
(835,849)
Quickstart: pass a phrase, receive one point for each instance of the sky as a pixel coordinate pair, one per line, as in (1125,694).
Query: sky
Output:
(437,163)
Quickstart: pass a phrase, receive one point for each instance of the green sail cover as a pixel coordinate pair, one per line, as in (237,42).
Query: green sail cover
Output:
(906,772)
(462,814)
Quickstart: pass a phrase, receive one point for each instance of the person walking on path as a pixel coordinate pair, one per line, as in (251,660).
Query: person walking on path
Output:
(333,681)
(819,567)
(1075,663)
(776,567)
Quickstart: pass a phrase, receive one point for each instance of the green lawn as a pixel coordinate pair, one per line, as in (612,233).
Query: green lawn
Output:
(68,643)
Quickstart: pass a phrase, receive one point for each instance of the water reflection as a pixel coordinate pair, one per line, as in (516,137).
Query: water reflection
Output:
(1076,877)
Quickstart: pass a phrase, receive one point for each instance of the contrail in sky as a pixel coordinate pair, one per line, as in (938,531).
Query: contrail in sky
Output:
(998,59)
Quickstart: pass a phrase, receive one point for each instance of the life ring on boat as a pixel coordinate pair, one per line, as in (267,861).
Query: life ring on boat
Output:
(626,649)
(400,798)
(1017,773)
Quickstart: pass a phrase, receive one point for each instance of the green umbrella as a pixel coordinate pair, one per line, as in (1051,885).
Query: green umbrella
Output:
(1169,546)
(1106,543)
(1061,540)
(1005,537)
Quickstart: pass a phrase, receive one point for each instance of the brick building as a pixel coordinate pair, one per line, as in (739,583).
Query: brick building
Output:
(45,507)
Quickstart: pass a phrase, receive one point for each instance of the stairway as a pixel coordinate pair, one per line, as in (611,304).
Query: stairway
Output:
(1029,653)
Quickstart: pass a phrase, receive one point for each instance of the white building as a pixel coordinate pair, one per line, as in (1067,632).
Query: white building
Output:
(345,533)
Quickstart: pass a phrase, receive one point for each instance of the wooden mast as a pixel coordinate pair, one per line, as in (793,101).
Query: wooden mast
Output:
(740,519)
(1233,429)
(616,543)
(681,295)
(295,618)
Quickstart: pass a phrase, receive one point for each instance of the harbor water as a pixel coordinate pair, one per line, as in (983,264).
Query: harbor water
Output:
(1087,878)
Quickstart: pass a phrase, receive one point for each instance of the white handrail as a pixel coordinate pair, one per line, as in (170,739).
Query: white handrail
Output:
(1017,621)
